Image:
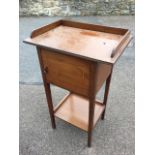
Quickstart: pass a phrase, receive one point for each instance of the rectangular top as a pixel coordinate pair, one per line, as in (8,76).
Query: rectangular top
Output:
(93,42)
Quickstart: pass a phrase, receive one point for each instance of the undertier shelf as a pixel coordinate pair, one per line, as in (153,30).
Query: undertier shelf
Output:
(74,109)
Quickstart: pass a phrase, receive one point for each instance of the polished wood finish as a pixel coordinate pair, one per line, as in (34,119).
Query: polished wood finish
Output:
(60,102)
(123,39)
(107,87)
(68,72)
(74,110)
(92,85)
(94,27)
(88,41)
(47,90)
(78,57)
(45,28)
(120,49)
(102,73)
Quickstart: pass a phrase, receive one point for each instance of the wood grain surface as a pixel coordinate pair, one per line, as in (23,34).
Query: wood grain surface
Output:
(92,42)
(75,110)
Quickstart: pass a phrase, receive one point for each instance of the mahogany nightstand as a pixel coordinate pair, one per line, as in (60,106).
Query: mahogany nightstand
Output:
(78,57)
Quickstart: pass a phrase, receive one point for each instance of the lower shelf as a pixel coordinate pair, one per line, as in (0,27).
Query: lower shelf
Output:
(74,109)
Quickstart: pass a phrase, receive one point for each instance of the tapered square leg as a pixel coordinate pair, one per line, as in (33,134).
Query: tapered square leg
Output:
(89,138)
(47,90)
(91,118)
(50,104)
(107,86)
(91,101)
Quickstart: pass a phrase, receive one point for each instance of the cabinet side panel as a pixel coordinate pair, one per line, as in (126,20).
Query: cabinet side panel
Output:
(103,71)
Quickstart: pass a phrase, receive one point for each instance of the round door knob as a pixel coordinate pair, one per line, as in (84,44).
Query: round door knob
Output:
(45,70)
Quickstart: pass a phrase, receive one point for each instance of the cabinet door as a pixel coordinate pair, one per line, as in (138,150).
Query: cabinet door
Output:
(65,71)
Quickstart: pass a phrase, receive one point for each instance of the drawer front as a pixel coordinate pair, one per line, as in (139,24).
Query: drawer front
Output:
(66,71)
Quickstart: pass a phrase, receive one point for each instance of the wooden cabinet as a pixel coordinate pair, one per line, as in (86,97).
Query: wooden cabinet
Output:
(78,57)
